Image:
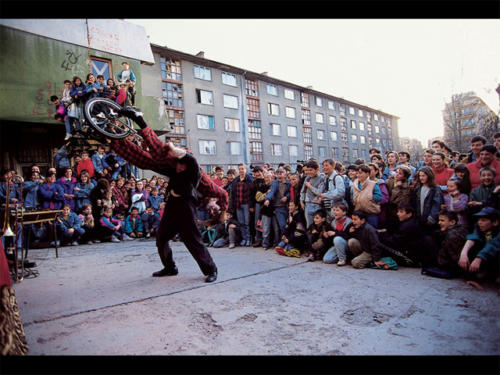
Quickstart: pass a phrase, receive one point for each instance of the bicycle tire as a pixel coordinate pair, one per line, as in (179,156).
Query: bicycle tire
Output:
(122,123)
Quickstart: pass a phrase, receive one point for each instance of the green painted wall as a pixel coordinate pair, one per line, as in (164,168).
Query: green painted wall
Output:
(33,68)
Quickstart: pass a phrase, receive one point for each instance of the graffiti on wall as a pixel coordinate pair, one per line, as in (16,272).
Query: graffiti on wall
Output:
(70,60)
(104,40)
(42,104)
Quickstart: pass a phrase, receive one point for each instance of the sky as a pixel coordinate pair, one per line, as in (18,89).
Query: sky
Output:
(408,67)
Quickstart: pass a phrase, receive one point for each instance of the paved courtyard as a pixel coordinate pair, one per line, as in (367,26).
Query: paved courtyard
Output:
(101,299)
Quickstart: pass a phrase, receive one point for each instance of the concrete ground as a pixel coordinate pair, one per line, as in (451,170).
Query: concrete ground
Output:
(101,299)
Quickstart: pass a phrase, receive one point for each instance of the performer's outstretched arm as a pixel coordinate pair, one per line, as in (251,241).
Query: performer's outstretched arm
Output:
(133,154)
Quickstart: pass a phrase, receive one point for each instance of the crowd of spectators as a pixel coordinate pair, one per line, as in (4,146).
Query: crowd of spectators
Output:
(441,214)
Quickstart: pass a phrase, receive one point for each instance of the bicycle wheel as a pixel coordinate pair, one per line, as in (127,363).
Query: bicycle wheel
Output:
(102,114)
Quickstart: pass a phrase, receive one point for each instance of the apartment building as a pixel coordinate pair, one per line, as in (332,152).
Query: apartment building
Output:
(227,115)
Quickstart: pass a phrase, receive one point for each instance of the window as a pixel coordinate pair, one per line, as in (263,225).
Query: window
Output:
(355,154)
(229,79)
(290,112)
(343,136)
(304,99)
(382,130)
(342,109)
(320,134)
(207,147)
(307,132)
(377,140)
(322,151)
(333,136)
(253,108)
(343,124)
(319,102)
(320,118)
(289,94)
(308,152)
(345,153)
(306,117)
(170,69)
(351,111)
(354,138)
(205,122)
(273,109)
(362,139)
(331,105)
(205,97)
(291,131)
(172,94)
(377,129)
(254,129)
(332,120)
(272,89)
(375,117)
(353,124)
(293,151)
(368,116)
(361,125)
(232,124)
(251,88)
(360,113)
(234,148)
(276,129)
(99,66)
(255,147)
(335,152)
(176,120)
(202,73)
(276,150)
(230,101)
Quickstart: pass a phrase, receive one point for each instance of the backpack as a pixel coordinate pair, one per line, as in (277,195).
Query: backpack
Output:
(390,264)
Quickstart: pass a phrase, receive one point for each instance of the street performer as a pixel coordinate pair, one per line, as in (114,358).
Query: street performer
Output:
(186,180)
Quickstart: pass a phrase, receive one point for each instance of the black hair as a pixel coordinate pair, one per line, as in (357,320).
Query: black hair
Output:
(359,161)
(407,208)
(479,138)
(452,216)
(67,81)
(489,148)
(496,135)
(359,214)
(312,164)
(329,161)
(441,155)
(352,167)
(364,168)
(53,98)
(340,205)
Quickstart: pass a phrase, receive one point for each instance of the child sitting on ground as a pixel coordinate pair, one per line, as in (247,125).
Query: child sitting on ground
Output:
(151,221)
(69,226)
(111,229)
(133,224)
(317,233)
(340,225)
(227,232)
(294,239)
(486,229)
(363,242)
(88,225)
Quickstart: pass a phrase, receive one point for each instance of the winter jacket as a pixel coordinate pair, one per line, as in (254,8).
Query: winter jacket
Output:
(399,195)
(334,188)
(154,202)
(72,221)
(232,197)
(99,163)
(442,176)
(490,251)
(223,228)
(61,159)
(368,237)
(131,75)
(129,224)
(68,187)
(485,195)
(273,195)
(31,191)
(452,242)
(51,196)
(86,165)
(109,222)
(295,230)
(77,92)
(432,204)
(344,233)
(82,196)
(308,196)
(458,206)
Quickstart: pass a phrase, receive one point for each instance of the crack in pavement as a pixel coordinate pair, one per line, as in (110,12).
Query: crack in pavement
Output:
(78,312)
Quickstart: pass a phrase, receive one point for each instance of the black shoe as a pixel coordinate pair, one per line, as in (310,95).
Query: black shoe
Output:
(212,277)
(28,264)
(166,272)
(257,244)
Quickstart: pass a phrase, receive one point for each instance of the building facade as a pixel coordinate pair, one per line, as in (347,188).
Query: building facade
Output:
(227,115)
(413,147)
(465,116)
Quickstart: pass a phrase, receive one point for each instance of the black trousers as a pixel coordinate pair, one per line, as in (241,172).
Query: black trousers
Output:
(180,217)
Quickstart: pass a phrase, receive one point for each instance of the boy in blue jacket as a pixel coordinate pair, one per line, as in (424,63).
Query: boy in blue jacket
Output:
(133,224)
(111,228)
(69,226)
(154,200)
